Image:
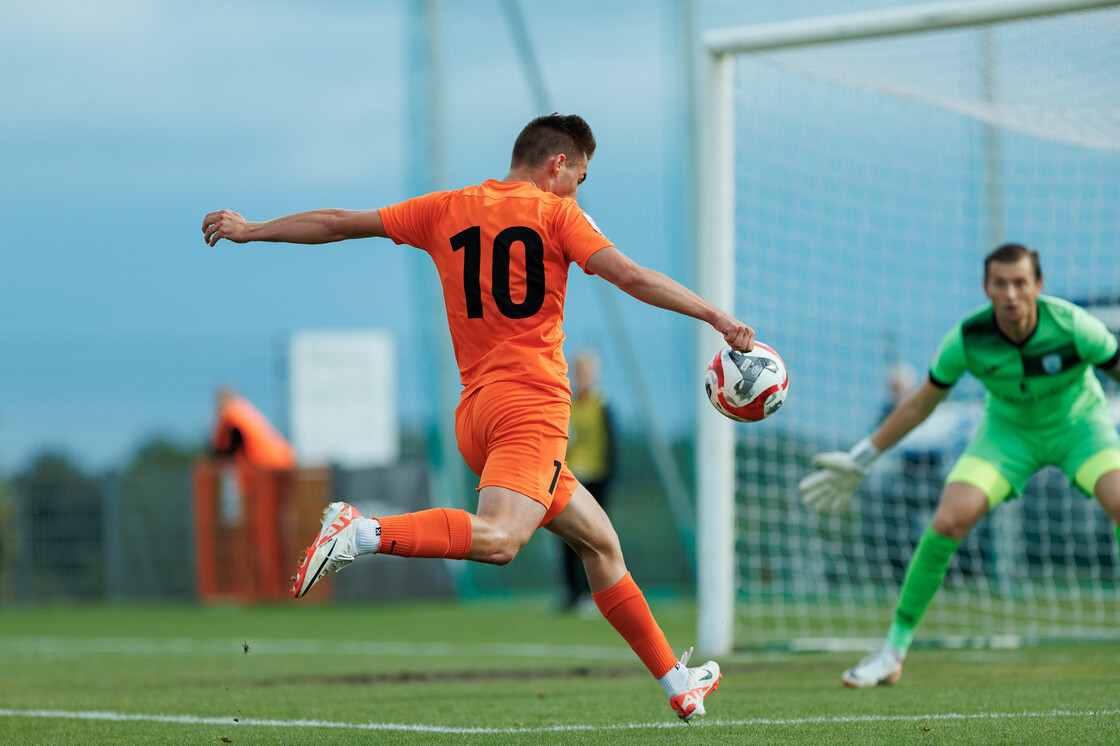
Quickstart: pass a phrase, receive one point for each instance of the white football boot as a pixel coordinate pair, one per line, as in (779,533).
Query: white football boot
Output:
(702,681)
(880,669)
(334,548)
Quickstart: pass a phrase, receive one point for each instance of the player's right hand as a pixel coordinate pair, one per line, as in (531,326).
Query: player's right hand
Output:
(736,334)
(831,486)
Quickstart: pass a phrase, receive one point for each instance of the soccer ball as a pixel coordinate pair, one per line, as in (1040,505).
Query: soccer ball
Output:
(747,386)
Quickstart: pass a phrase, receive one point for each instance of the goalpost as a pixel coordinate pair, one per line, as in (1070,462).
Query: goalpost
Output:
(854,170)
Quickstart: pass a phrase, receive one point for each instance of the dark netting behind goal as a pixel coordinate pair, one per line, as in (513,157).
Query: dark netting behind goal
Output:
(871,179)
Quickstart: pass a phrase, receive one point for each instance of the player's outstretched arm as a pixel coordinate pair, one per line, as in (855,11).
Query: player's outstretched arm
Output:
(912,411)
(830,488)
(316,226)
(656,289)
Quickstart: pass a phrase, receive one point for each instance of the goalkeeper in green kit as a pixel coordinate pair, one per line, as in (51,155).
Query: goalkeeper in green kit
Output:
(1044,407)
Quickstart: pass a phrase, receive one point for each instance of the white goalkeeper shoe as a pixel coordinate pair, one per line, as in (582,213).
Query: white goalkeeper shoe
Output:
(702,681)
(334,548)
(880,669)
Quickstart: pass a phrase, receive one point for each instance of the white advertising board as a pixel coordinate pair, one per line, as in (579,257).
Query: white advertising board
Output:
(343,397)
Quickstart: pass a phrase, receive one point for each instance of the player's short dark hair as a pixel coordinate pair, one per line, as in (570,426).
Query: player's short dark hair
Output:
(555,133)
(1010,253)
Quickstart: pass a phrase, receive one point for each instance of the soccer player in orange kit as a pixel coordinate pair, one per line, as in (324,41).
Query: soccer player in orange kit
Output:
(245,435)
(503,249)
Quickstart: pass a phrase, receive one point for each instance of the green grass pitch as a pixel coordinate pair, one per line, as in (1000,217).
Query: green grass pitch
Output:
(497,673)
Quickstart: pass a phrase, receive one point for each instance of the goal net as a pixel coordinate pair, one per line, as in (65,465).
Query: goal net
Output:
(874,160)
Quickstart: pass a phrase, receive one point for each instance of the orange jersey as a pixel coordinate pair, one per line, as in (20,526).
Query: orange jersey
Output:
(262,445)
(502,250)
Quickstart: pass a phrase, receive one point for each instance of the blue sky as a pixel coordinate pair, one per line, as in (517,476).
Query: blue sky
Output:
(124,122)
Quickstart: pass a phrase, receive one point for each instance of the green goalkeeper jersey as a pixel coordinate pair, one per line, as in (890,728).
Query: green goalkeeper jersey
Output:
(1046,380)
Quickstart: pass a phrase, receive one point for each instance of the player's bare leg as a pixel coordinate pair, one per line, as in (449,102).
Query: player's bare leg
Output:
(586,528)
(961,508)
(1107,492)
(504,523)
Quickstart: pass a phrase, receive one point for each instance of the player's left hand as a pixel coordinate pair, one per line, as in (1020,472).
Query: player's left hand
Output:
(225,224)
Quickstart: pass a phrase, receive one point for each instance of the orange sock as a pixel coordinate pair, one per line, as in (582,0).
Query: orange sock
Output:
(428,533)
(626,609)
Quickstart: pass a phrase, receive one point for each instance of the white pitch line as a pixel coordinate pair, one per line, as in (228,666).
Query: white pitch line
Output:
(418,728)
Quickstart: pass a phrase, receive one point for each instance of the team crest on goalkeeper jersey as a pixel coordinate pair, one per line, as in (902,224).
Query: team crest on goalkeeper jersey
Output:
(1052,363)
(593,224)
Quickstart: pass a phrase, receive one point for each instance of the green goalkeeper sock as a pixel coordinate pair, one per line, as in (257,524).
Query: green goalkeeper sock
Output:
(924,576)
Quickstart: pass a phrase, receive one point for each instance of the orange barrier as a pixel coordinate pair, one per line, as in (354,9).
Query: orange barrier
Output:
(249,537)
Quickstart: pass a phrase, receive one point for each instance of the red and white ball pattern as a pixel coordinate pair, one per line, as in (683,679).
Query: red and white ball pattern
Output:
(747,386)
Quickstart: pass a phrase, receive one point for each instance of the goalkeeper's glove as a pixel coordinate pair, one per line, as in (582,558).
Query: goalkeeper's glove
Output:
(830,488)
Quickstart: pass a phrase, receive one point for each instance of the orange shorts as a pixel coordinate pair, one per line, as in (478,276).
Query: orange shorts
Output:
(515,436)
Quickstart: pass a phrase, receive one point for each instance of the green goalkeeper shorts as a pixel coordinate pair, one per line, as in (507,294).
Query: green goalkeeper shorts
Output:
(1003,455)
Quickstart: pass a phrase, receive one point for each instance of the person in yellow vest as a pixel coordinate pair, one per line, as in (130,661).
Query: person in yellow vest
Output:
(590,456)
(245,435)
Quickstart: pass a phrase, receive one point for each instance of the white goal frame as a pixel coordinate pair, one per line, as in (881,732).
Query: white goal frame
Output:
(714,231)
